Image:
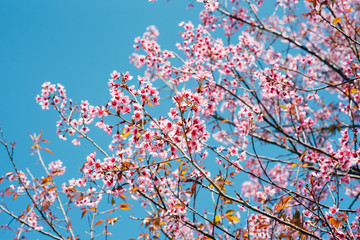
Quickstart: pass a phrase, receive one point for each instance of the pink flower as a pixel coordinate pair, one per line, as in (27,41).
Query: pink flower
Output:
(232,151)
(137,116)
(115,75)
(76,142)
(127,76)
(44,105)
(100,111)
(333,209)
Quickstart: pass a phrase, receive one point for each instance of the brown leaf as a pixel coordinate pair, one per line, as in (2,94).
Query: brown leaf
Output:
(314,2)
(296,220)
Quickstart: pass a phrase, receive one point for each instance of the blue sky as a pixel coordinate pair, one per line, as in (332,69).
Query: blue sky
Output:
(75,43)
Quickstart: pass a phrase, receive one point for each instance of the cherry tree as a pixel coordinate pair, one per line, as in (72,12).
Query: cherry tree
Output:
(254,135)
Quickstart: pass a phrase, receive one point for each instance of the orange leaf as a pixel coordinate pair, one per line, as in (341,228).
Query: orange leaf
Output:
(350,9)
(134,189)
(282,235)
(8,192)
(15,196)
(294,165)
(83,213)
(98,222)
(47,180)
(123,197)
(92,208)
(52,189)
(281,208)
(233,219)
(57,172)
(113,220)
(283,203)
(46,207)
(268,209)
(337,224)
(149,103)
(336,20)
(125,206)
(48,150)
(287,199)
